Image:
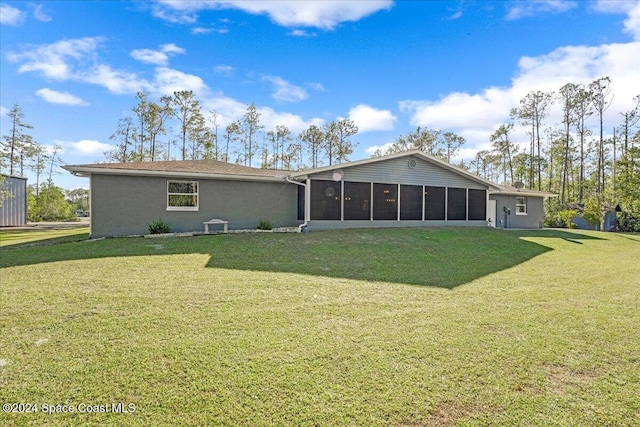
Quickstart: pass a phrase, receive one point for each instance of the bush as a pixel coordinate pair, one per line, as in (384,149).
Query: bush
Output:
(628,222)
(560,219)
(159,227)
(264,224)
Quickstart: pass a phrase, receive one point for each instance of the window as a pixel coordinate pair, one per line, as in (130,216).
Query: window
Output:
(385,202)
(411,202)
(434,203)
(521,205)
(456,204)
(477,205)
(182,195)
(357,196)
(325,200)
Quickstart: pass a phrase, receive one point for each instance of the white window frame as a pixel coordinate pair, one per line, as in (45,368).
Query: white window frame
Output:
(183,208)
(521,208)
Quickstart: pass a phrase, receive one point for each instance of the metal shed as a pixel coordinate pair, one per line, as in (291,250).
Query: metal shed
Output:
(13,201)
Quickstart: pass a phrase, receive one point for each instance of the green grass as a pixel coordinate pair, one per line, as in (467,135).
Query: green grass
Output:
(41,237)
(405,327)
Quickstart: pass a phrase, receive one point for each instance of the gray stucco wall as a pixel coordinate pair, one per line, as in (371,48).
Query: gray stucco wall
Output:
(533,219)
(125,205)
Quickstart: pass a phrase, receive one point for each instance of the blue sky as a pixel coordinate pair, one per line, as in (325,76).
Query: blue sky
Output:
(74,66)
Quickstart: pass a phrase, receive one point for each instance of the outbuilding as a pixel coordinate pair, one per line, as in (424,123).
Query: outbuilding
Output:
(13,201)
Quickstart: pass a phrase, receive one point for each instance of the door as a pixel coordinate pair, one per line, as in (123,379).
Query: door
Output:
(491,213)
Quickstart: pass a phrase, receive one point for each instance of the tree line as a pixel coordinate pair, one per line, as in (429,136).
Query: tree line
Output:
(19,153)
(145,136)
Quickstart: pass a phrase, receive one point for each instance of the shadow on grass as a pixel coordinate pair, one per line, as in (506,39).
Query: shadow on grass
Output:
(437,257)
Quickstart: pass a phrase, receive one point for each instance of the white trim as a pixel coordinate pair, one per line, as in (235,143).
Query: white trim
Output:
(183,208)
(521,205)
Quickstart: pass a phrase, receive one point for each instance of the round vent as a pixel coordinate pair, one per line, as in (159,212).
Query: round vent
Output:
(412,163)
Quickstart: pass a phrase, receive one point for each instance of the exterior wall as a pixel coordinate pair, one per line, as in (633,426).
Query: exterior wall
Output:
(533,219)
(125,205)
(13,209)
(397,171)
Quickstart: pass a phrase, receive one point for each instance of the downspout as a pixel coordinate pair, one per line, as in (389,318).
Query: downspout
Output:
(288,179)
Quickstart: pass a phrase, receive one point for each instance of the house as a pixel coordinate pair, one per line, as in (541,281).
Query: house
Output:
(13,201)
(408,189)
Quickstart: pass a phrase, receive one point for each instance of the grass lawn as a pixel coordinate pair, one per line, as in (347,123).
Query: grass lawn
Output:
(396,327)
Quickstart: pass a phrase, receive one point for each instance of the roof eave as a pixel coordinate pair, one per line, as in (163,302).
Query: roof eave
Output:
(87,171)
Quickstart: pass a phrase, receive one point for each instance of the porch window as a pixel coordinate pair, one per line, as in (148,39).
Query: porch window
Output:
(385,202)
(477,205)
(521,205)
(325,200)
(357,196)
(456,204)
(411,202)
(434,198)
(182,195)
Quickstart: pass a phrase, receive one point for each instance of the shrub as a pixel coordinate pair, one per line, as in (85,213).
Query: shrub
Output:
(560,219)
(159,227)
(628,222)
(264,224)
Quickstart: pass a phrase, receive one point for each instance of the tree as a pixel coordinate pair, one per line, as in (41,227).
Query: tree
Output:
(232,134)
(15,142)
(126,136)
(583,110)
(49,205)
(533,109)
(452,142)
(567,98)
(156,116)
(313,138)
(186,109)
(601,89)
(250,126)
(503,146)
(338,145)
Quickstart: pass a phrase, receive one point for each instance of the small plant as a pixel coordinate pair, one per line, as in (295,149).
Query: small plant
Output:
(265,224)
(159,227)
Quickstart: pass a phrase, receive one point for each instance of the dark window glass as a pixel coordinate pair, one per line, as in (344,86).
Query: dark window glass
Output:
(357,200)
(411,202)
(385,201)
(325,200)
(477,205)
(301,202)
(434,203)
(457,204)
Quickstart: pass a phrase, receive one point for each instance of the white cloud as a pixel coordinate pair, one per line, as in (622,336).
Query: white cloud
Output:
(55,97)
(172,48)
(369,119)
(57,60)
(157,57)
(3,111)
(226,70)
(632,23)
(302,33)
(10,15)
(85,147)
(283,91)
(475,116)
(373,148)
(319,14)
(117,82)
(39,14)
(168,80)
(523,9)
(150,56)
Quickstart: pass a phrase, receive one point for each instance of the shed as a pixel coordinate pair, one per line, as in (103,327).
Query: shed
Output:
(13,201)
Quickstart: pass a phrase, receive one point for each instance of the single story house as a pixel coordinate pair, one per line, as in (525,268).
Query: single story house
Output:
(13,201)
(408,189)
